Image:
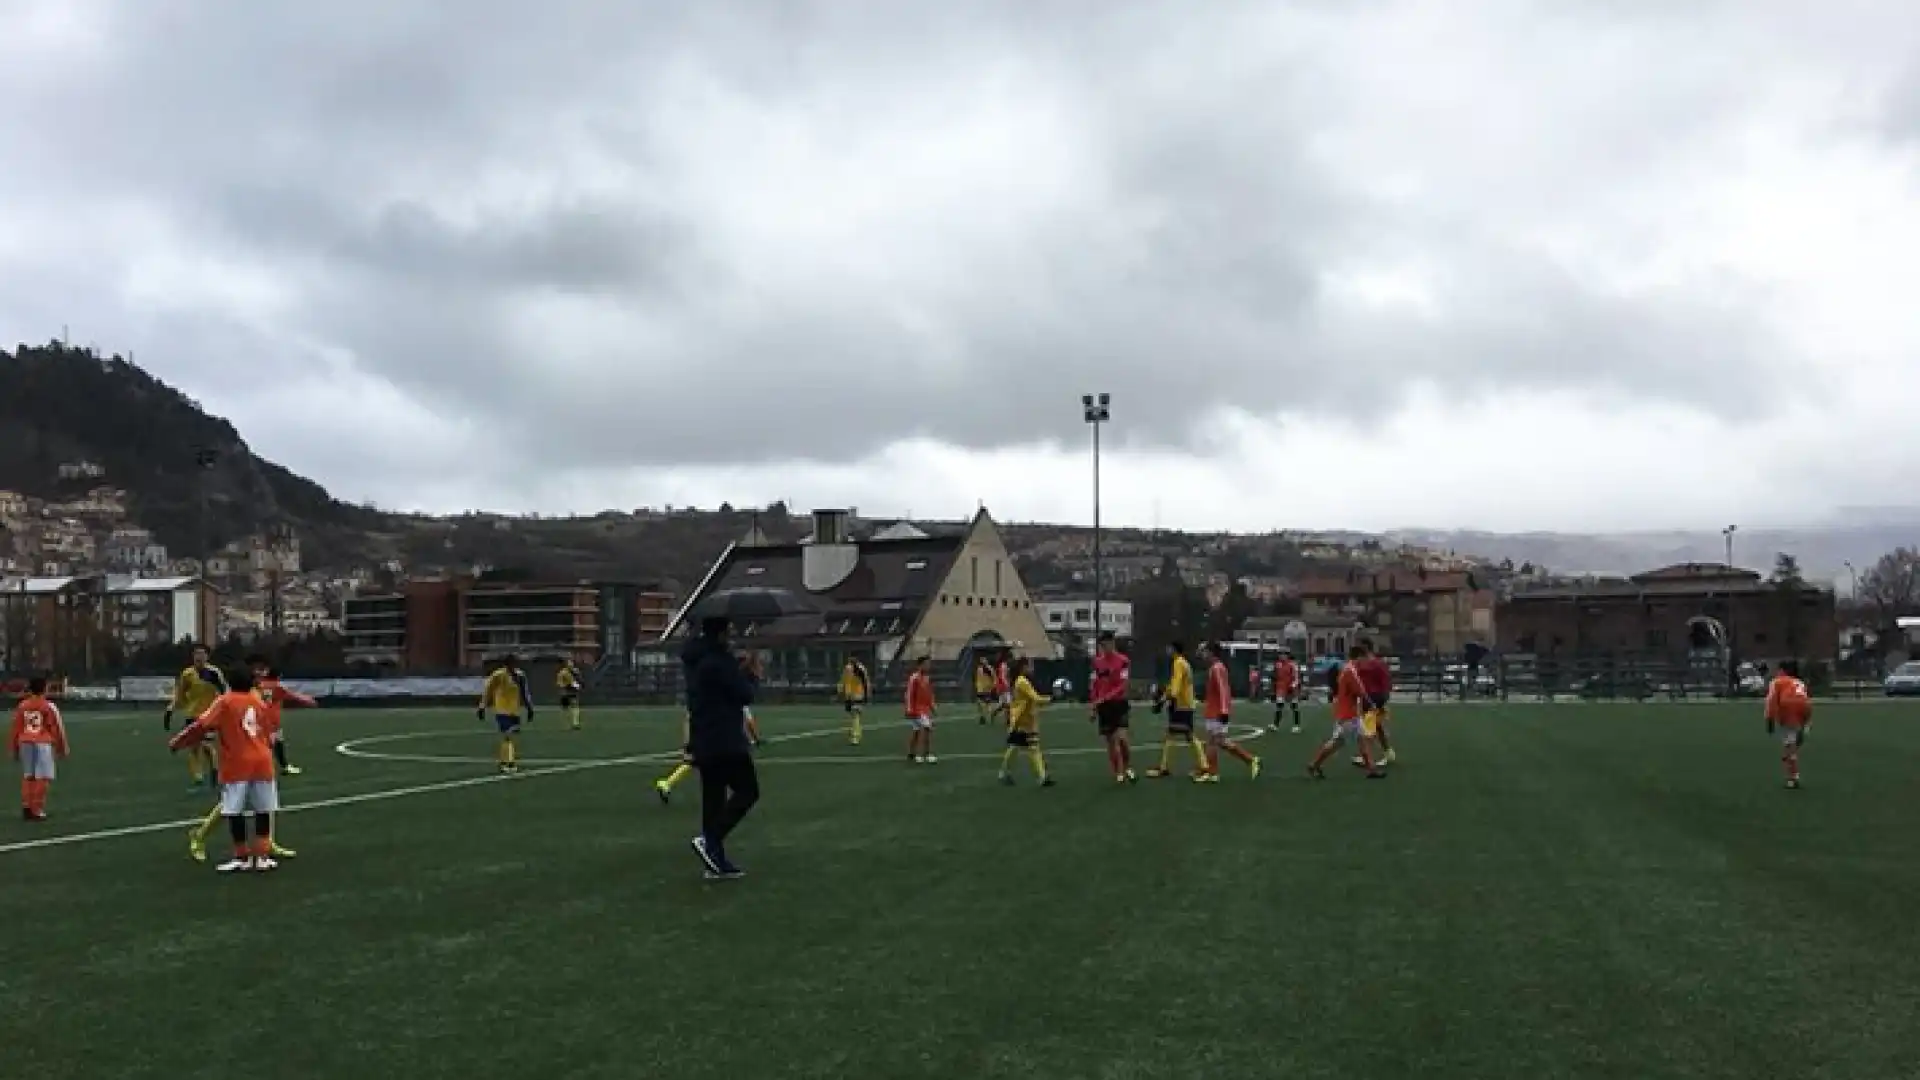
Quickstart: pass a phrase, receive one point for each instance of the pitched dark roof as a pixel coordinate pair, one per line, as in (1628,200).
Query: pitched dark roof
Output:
(764,588)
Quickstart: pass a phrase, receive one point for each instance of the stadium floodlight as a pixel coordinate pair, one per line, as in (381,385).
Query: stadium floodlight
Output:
(1094,410)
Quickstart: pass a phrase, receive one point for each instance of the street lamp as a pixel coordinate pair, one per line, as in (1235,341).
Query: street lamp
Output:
(1853,576)
(1733,641)
(1094,410)
(1727,535)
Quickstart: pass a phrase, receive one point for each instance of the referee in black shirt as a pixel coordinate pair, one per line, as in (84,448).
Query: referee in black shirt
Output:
(720,687)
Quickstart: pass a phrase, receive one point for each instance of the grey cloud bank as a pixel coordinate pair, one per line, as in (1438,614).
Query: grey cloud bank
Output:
(592,237)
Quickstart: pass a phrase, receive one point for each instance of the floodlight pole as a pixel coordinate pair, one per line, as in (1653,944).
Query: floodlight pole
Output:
(1094,411)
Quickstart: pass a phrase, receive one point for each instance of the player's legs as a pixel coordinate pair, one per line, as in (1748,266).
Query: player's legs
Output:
(197,835)
(1790,754)
(234,800)
(263,799)
(753,726)
(665,785)
(508,754)
(286,767)
(573,713)
(729,788)
(983,705)
(36,776)
(856,715)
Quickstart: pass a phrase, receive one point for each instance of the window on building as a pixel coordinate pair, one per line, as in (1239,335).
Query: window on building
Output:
(873,626)
(1055,618)
(891,605)
(893,626)
(756,571)
(916,564)
(1081,614)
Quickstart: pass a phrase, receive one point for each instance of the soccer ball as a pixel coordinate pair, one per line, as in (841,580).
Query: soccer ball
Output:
(1062,688)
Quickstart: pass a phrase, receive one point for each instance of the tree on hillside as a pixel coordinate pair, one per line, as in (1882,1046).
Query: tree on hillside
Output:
(1789,588)
(1891,588)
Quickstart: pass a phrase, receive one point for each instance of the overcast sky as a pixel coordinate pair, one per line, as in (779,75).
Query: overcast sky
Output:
(1587,265)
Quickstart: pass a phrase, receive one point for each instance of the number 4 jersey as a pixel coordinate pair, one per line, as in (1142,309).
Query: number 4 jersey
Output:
(238,721)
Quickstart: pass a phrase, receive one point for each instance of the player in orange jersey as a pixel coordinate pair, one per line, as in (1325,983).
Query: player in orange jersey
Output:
(1286,690)
(39,736)
(1789,713)
(920,710)
(1349,698)
(1217,708)
(245,769)
(276,696)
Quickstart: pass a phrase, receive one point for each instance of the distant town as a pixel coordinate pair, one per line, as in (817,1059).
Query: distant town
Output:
(86,587)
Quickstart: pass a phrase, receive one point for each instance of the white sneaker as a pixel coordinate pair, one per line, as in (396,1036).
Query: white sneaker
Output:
(234,865)
(1296,729)
(264,864)
(919,761)
(931,760)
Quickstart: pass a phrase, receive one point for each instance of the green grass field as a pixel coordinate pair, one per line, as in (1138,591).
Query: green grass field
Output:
(1580,890)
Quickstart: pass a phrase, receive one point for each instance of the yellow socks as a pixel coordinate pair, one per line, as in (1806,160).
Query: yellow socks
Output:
(573,715)
(1006,761)
(207,825)
(855,733)
(509,754)
(679,773)
(1039,761)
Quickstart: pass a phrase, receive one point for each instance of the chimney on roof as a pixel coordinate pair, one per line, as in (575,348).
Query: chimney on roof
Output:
(830,555)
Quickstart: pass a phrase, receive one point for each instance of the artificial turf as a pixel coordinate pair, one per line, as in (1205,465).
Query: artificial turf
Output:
(1538,891)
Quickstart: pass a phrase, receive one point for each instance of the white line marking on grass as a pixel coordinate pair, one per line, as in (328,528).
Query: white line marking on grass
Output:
(321,804)
(346,749)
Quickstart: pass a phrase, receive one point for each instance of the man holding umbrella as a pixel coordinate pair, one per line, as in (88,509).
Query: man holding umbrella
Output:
(720,687)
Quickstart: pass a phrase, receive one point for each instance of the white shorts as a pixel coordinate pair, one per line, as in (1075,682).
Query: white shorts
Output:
(1789,736)
(1345,731)
(1218,729)
(746,714)
(920,723)
(1006,698)
(36,761)
(249,797)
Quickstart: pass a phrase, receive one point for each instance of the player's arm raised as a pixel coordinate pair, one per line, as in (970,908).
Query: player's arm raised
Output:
(196,732)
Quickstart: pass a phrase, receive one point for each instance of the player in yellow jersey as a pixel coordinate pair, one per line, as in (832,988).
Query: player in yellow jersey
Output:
(664,786)
(854,693)
(505,698)
(194,693)
(983,695)
(1178,700)
(1023,726)
(566,683)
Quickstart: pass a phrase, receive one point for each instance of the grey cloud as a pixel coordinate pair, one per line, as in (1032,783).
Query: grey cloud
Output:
(1187,274)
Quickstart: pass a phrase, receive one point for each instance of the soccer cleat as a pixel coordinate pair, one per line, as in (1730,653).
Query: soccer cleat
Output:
(1158,774)
(1296,729)
(1046,781)
(1316,772)
(1206,778)
(279,852)
(730,872)
(291,770)
(661,788)
(1793,784)
(1390,758)
(196,846)
(1005,780)
(708,857)
(1132,778)
(1254,774)
(234,865)
(930,760)
(263,864)
(1376,774)
(1359,762)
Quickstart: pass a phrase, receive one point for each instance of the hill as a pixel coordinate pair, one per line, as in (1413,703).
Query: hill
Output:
(60,405)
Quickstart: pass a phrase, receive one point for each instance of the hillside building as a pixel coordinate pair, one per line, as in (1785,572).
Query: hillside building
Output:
(72,624)
(462,624)
(808,606)
(1658,612)
(1413,612)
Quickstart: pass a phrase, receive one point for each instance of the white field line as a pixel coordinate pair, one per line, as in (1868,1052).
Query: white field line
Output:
(565,766)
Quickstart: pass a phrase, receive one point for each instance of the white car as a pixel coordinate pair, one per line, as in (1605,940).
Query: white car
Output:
(1905,680)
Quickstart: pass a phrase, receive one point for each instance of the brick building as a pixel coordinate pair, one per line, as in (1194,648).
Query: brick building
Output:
(460,624)
(1658,613)
(75,624)
(1410,612)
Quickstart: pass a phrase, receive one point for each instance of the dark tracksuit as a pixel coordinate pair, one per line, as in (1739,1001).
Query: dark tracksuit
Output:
(718,693)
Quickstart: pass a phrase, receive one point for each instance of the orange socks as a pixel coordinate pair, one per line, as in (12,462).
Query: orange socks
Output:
(33,795)
(26,793)
(1238,751)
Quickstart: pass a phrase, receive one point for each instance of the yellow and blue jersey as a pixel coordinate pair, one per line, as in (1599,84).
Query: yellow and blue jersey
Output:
(567,681)
(506,693)
(195,691)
